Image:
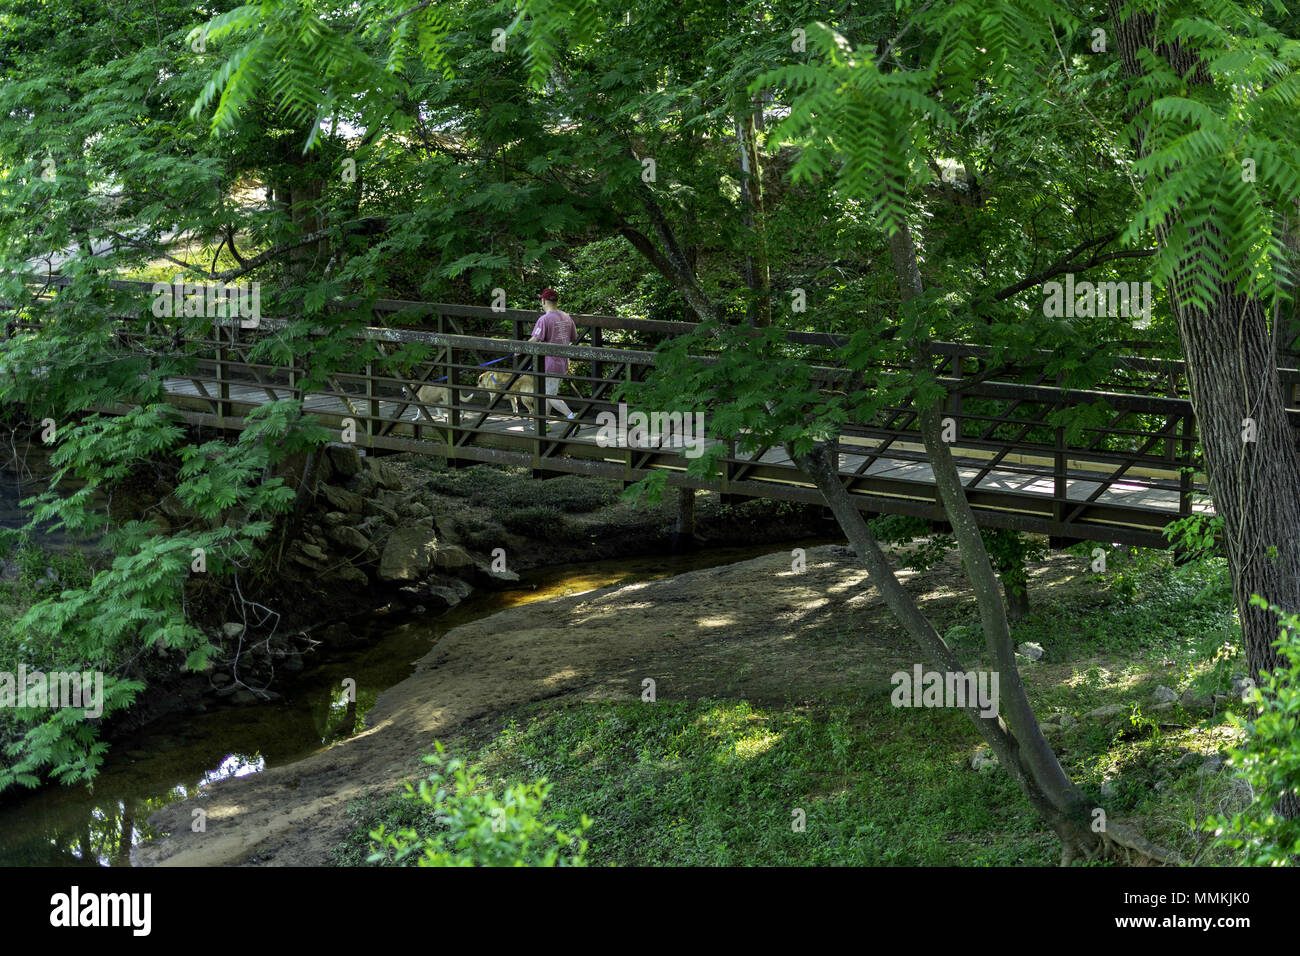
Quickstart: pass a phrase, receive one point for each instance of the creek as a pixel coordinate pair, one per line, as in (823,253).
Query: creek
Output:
(182,753)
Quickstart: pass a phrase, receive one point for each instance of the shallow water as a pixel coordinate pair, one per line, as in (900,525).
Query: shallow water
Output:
(181,754)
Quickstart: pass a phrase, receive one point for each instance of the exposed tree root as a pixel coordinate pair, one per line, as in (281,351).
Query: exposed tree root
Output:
(1121,842)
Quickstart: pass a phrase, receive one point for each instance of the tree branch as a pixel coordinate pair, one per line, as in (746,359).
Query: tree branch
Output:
(1066,264)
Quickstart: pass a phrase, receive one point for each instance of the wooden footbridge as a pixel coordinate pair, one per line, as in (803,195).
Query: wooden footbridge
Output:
(1122,480)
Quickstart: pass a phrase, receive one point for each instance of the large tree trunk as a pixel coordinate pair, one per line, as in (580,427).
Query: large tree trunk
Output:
(1255,484)
(1236,394)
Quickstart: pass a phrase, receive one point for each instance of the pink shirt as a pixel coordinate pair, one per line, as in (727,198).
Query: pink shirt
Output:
(556,328)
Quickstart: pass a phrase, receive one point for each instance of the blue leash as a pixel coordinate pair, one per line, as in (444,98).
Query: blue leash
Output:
(484,365)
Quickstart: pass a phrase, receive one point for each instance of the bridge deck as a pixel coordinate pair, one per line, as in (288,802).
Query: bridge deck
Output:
(1123,476)
(423,428)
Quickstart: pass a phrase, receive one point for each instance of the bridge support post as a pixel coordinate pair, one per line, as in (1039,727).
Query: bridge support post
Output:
(1060,480)
(454,400)
(684,528)
(372,404)
(727,498)
(219,361)
(1187,468)
(539,411)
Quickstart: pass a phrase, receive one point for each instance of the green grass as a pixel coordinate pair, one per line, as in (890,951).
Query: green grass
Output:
(718,782)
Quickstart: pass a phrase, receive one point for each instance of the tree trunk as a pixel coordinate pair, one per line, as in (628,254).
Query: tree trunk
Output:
(1240,409)
(1017,598)
(758,274)
(1030,758)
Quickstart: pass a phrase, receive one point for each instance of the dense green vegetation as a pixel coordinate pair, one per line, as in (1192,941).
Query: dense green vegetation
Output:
(714,782)
(903,174)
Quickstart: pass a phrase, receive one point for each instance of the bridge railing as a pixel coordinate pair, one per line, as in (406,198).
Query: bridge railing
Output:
(1129,469)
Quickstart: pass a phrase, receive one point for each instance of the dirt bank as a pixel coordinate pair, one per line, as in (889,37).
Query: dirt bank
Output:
(754,629)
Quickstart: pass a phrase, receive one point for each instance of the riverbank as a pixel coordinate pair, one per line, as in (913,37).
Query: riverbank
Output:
(756,632)
(399,535)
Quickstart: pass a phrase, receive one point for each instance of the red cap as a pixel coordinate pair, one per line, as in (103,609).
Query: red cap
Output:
(549,295)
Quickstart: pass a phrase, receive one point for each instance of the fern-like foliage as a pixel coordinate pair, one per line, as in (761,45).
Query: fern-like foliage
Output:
(1220,169)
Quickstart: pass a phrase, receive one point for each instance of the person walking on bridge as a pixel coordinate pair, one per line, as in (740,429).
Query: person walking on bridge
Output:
(557,328)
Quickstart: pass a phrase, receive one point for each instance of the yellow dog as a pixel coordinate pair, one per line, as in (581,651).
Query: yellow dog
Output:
(498,380)
(431,395)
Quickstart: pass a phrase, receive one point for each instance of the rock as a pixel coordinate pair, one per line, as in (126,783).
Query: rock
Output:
(1108,790)
(1190,701)
(386,475)
(231,630)
(349,539)
(338,634)
(335,518)
(242,696)
(1110,710)
(298,554)
(983,759)
(312,551)
(1162,708)
(1212,765)
(485,577)
(1067,721)
(440,591)
(408,553)
(292,662)
(1162,786)
(347,575)
(378,509)
(341,500)
(345,460)
(1240,685)
(363,484)
(417,509)
(1164,695)
(458,586)
(446,598)
(1186,760)
(1033,651)
(451,556)
(373,527)
(221,679)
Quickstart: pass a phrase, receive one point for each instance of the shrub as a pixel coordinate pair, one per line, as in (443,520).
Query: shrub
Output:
(536,521)
(1269,761)
(473,827)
